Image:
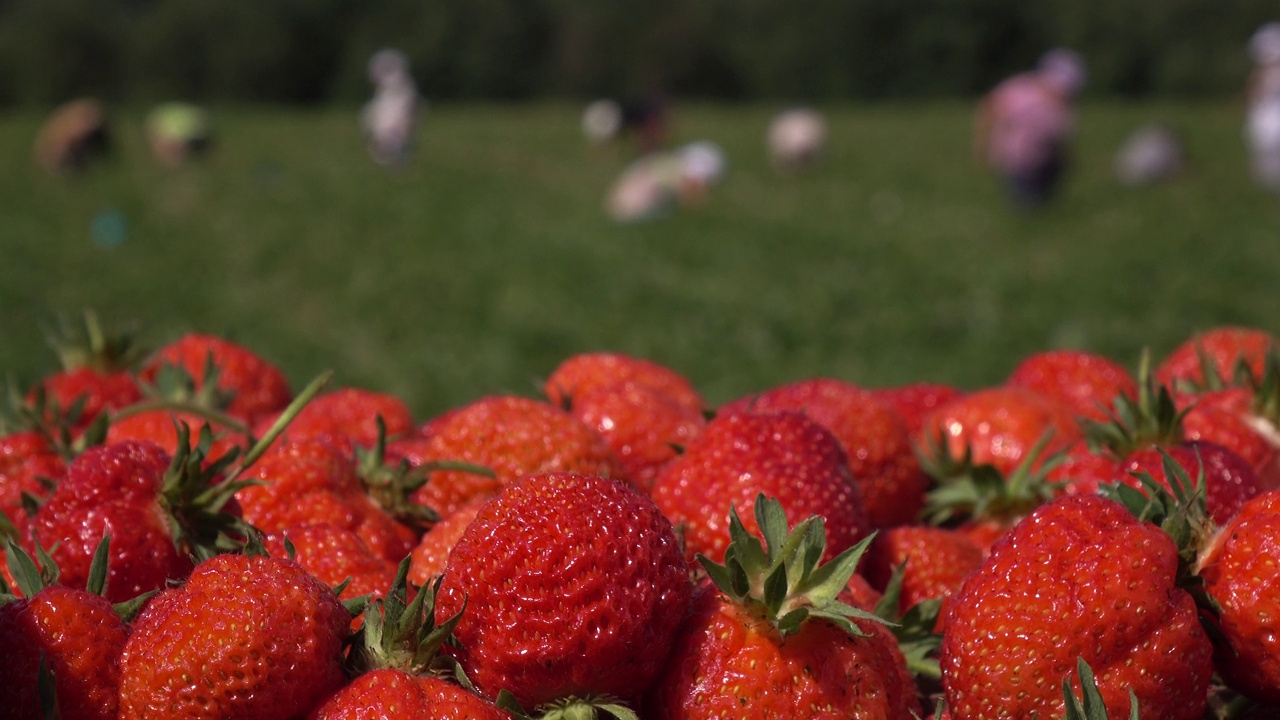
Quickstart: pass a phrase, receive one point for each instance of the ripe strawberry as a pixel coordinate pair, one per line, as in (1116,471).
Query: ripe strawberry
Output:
(348,415)
(792,648)
(247,637)
(94,377)
(740,455)
(161,426)
(1054,590)
(251,386)
(334,556)
(999,426)
(935,561)
(158,509)
(387,692)
(29,470)
(512,436)
(914,401)
(1243,420)
(74,633)
(1229,481)
(876,442)
(584,372)
(428,559)
(1210,358)
(1239,571)
(1087,382)
(644,426)
(313,482)
(573,587)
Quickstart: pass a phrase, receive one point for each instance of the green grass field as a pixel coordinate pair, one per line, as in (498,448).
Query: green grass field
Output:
(488,260)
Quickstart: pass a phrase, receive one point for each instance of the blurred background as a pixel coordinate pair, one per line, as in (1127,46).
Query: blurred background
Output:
(486,257)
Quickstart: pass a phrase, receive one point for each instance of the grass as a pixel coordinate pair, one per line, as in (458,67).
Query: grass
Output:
(487,261)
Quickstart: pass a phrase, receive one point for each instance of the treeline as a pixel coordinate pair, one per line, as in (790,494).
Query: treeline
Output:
(310,51)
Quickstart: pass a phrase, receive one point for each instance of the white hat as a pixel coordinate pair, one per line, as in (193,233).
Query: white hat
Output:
(1264,46)
(1063,69)
(702,162)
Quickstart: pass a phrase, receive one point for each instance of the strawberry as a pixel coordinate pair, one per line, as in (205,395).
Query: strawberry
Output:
(388,692)
(999,426)
(1211,358)
(314,482)
(246,636)
(573,586)
(581,373)
(1243,420)
(95,376)
(913,402)
(349,415)
(251,386)
(935,561)
(72,633)
(160,426)
(876,442)
(335,556)
(1239,571)
(29,470)
(783,647)
(432,552)
(1055,590)
(512,436)
(158,509)
(644,426)
(1229,481)
(740,455)
(1087,382)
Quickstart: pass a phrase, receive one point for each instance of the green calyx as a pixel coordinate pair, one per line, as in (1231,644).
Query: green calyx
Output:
(585,708)
(35,574)
(392,486)
(784,580)
(968,490)
(403,634)
(1091,705)
(913,629)
(194,497)
(1152,418)
(88,345)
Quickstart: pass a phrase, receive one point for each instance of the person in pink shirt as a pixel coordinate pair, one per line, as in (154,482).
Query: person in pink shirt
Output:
(1025,124)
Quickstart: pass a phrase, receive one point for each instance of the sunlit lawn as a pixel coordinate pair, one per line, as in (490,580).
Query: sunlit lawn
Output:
(488,260)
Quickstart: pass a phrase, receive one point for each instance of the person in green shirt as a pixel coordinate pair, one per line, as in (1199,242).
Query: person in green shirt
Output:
(177,131)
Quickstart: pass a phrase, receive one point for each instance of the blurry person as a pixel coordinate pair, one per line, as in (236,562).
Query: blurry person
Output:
(1024,127)
(177,131)
(797,138)
(390,119)
(1262,125)
(1153,153)
(602,121)
(73,135)
(643,119)
(658,183)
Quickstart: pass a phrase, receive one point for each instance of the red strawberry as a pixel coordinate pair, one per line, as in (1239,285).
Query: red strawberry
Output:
(935,561)
(914,402)
(90,390)
(512,436)
(1000,426)
(246,637)
(160,426)
(29,470)
(75,633)
(644,426)
(1229,481)
(573,587)
(751,648)
(432,552)
(1219,351)
(1242,420)
(335,556)
(312,482)
(94,377)
(348,415)
(254,386)
(380,693)
(582,373)
(876,441)
(158,510)
(1239,570)
(1081,577)
(1087,382)
(741,455)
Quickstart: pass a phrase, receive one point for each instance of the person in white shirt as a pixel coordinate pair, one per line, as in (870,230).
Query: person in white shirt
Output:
(391,118)
(1262,122)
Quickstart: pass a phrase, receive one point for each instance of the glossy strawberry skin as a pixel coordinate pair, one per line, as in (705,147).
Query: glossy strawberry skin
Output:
(1089,383)
(1056,589)
(915,401)
(937,561)
(258,387)
(1223,347)
(512,436)
(573,584)
(347,414)
(160,427)
(1229,481)
(728,663)
(387,693)
(335,556)
(429,557)
(584,372)
(1000,426)
(1239,570)
(28,465)
(249,637)
(737,456)
(875,439)
(80,637)
(98,391)
(1226,417)
(113,490)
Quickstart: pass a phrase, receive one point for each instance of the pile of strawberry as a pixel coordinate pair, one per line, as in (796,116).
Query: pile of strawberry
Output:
(188,537)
